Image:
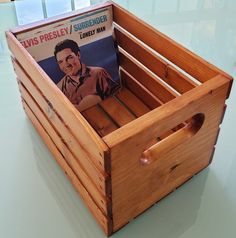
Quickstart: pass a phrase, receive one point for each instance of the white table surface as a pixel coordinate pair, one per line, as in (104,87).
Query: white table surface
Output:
(37,200)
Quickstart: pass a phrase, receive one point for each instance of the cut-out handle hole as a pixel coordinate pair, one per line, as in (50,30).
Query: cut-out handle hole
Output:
(168,141)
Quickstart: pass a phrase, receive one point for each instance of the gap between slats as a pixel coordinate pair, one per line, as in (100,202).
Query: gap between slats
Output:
(115,111)
(102,220)
(180,56)
(100,177)
(100,200)
(153,62)
(162,91)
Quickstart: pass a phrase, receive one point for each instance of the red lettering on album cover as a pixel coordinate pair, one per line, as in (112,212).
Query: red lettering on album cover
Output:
(30,42)
(53,34)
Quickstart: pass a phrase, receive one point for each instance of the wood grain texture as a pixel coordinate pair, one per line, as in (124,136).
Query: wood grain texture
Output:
(100,178)
(156,87)
(143,95)
(124,103)
(180,56)
(132,102)
(151,119)
(134,192)
(139,90)
(89,140)
(162,69)
(171,141)
(100,199)
(99,120)
(100,150)
(102,220)
(118,112)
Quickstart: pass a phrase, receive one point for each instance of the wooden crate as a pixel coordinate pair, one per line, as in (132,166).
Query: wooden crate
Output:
(148,139)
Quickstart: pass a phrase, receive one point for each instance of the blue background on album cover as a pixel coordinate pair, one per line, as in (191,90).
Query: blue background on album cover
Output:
(99,53)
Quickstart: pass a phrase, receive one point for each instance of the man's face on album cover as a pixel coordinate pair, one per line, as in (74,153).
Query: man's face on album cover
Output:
(68,61)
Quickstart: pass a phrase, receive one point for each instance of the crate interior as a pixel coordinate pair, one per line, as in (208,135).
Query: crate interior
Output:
(148,81)
(154,71)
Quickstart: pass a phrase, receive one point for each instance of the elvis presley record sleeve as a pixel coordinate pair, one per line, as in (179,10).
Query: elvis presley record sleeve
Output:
(79,54)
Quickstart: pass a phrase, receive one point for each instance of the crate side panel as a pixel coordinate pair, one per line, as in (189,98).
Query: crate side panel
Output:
(155,86)
(180,56)
(158,66)
(139,90)
(98,177)
(90,142)
(86,181)
(102,220)
(134,192)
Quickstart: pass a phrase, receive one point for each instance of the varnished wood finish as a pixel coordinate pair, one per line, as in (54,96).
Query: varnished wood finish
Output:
(100,199)
(172,140)
(103,221)
(135,147)
(134,192)
(180,56)
(120,114)
(165,71)
(100,178)
(105,117)
(90,142)
(135,105)
(139,90)
(156,87)
(99,120)
(166,110)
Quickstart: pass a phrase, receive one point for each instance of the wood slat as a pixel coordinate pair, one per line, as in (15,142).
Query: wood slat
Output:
(156,87)
(101,179)
(103,221)
(99,120)
(139,90)
(116,111)
(168,73)
(89,141)
(180,56)
(139,109)
(102,202)
(134,192)
(150,120)
(132,102)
